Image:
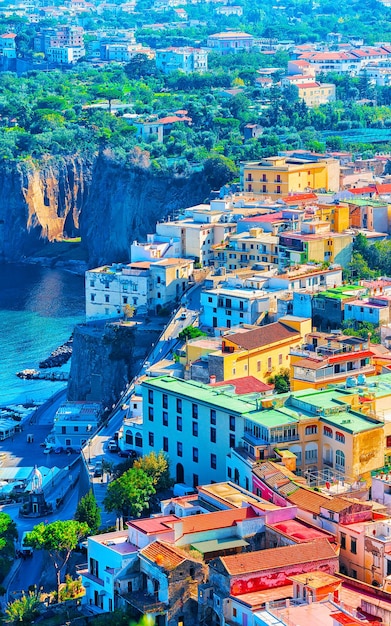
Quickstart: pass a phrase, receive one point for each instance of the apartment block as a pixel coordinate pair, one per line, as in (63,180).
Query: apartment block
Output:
(184,59)
(279,176)
(230,42)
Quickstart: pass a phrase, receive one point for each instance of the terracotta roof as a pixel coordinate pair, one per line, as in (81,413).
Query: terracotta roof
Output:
(262,336)
(213,521)
(299,197)
(361,190)
(309,500)
(172,119)
(154,525)
(269,217)
(164,555)
(247,384)
(386,188)
(307,85)
(285,556)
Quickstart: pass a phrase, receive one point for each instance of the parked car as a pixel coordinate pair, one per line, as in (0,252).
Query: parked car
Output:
(128,454)
(112,446)
(98,472)
(58,450)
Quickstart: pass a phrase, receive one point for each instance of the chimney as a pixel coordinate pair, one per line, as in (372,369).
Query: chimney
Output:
(212,380)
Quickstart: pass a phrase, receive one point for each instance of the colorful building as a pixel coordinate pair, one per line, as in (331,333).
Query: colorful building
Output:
(278,176)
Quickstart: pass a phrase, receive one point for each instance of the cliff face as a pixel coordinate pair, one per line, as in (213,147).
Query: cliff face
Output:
(105,359)
(108,204)
(39,204)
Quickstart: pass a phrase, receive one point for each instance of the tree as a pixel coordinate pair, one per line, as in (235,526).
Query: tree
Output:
(24,610)
(281,381)
(129,311)
(59,539)
(190,332)
(88,511)
(157,467)
(219,170)
(129,494)
(8,534)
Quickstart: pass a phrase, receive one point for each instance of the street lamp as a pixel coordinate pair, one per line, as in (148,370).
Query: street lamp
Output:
(89,451)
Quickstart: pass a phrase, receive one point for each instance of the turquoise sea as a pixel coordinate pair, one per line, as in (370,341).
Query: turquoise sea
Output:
(39,308)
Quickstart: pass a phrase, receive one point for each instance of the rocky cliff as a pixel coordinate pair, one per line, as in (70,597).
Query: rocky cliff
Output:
(106,358)
(107,203)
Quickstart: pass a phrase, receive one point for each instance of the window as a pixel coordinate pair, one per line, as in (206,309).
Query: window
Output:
(107,298)
(327,431)
(63,430)
(179,422)
(195,429)
(138,441)
(340,459)
(212,416)
(213,435)
(92,283)
(269,364)
(179,448)
(311,430)
(234,612)
(343,541)
(353,545)
(150,413)
(165,444)
(232,422)
(213,461)
(311,456)
(194,410)
(129,438)
(340,437)
(92,297)
(229,472)
(280,359)
(75,429)
(195,455)
(195,481)
(258,366)
(165,418)
(388,441)
(165,401)
(232,441)
(179,405)
(124,299)
(150,396)
(151,439)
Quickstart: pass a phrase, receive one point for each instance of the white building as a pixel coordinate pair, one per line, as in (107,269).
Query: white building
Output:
(185,60)
(65,54)
(144,285)
(155,248)
(74,423)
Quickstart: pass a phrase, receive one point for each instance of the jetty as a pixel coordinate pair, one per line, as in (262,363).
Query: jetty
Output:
(30,374)
(59,356)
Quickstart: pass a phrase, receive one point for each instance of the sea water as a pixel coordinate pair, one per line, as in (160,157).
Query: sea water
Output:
(39,308)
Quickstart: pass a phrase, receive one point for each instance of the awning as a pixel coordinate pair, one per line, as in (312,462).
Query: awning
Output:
(217,545)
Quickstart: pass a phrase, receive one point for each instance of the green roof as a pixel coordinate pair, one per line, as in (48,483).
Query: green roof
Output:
(329,405)
(339,293)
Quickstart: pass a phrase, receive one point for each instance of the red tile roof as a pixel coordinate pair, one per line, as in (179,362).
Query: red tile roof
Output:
(262,336)
(361,190)
(299,197)
(172,119)
(278,558)
(152,525)
(385,188)
(299,531)
(309,85)
(309,500)
(213,521)
(247,384)
(164,555)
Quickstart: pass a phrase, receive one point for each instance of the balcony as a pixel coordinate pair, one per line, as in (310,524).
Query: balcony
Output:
(328,374)
(143,602)
(82,570)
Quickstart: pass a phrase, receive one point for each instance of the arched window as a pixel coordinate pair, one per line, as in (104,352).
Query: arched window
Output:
(129,437)
(311,430)
(339,459)
(327,431)
(138,441)
(340,437)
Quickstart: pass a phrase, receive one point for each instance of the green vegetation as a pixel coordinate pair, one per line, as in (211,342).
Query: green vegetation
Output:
(157,467)
(281,381)
(369,260)
(129,494)
(88,511)
(59,539)
(191,332)
(361,329)
(8,534)
(23,610)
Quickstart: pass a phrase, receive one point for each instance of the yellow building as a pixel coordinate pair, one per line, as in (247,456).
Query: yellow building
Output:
(279,176)
(315,94)
(260,352)
(246,249)
(315,242)
(336,214)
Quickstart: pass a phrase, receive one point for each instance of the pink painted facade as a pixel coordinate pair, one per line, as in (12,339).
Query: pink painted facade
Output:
(278,577)
(265,492)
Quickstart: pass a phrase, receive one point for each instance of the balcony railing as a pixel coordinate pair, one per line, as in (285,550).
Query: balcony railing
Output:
(144,602)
